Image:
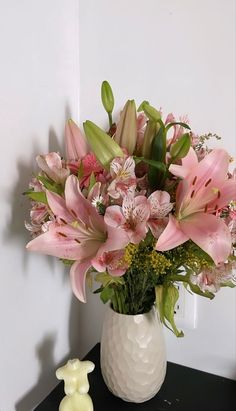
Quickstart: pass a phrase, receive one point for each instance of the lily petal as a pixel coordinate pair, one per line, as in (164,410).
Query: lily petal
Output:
(188,163)
(172,236)
(58,241)
(58,206)
(79,206)
(78,273)
(227,193)
(212,170)
(76,145)
(210,233)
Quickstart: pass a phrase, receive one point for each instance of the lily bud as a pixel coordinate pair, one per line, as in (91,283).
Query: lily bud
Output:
(150,132)
(102,145)
(126,132)
(76,144)
(181,147)
(151,112)
(107,97)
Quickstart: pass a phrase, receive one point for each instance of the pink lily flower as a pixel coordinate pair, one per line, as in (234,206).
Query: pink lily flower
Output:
(76,145)
(160,207)
(123,177)
(79,234)
(204,190)
(132,217)
(52,165)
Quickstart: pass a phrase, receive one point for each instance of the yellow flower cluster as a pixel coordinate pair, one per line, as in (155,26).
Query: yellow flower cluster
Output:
(141,259)
(159,262)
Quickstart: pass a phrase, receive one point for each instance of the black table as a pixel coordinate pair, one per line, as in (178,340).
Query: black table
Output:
(184,389)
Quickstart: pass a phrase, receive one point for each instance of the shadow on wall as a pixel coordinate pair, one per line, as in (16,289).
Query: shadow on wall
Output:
(45,355)
(84,319)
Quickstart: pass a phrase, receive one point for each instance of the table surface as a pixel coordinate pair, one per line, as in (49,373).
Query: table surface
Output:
(184,389)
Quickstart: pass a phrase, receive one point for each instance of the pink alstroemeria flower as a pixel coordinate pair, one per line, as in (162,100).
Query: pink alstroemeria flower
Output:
(124,179)
(212,279)
(160,206)
(204,189)
(52,165)
(112,261)
(132,217)
(79,234)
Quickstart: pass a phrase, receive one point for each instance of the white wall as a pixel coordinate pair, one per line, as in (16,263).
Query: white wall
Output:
(178,54)
(38,88)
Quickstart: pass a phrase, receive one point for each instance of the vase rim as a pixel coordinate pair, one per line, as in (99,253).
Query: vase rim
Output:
(132,315)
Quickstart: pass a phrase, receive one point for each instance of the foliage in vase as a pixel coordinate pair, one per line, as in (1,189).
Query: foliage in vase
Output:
(137,208)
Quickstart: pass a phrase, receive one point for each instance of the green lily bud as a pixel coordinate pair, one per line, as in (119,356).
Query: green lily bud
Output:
(102,145)
(151,112)
(107,97)
(150,132)
(181,147)
(126,132)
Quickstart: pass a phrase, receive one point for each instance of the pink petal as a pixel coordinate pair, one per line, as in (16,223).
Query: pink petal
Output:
(51,164)
(212,170)
(138,233)
(76,144)
(78,273)
(79,206)
(117,239)
(59,241)
(210,233)
(157,226)
(114,216)
(160,197)
(189,162)
(227,193)
(58,206)
(172,236)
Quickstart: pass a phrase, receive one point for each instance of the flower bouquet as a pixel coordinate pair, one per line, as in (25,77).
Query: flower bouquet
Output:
(137,208)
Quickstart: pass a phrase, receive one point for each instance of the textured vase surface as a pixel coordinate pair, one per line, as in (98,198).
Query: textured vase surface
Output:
(133,355)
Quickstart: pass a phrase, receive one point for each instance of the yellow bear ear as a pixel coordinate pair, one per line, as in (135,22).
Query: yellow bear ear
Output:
(102,145)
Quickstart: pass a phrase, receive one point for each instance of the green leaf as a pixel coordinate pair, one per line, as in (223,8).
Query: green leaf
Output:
(177,123)
(81,170)
(107,97)
(106,294)
(38,196)
(228,284)
(92,181)
(181,147)
(156,178)
(50,185)
(107,279)
(171,295)
(157,164)
(195,289)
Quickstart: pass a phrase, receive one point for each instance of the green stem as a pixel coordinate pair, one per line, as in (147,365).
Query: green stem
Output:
(110,119)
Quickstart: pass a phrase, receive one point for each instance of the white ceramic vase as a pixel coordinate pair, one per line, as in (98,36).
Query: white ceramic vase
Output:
(133,355)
